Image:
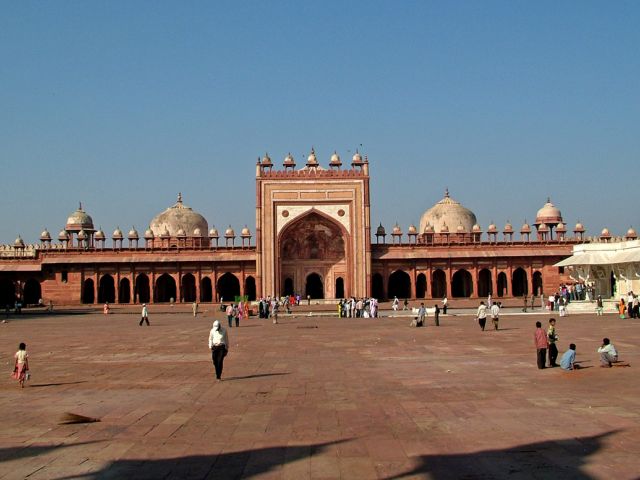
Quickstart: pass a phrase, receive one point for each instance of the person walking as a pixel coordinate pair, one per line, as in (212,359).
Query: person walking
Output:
(445,301)
(541,343)
(219,346)
(194,308)
(552,338)
(436,315)
(229,313)
(599,306)
(422,313)
(105,309)
(144,315)
(495,315)
(239,314)
(482,315)
(21,367)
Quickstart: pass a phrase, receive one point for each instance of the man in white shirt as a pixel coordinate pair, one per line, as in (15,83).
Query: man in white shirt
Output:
(608,353)
(219,346)
(482,315)
(495,314)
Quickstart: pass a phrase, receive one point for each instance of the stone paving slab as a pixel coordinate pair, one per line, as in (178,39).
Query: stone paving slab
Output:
(316,398)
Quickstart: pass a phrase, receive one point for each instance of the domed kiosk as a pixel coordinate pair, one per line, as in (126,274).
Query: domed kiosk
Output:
(175,222)
(447,212)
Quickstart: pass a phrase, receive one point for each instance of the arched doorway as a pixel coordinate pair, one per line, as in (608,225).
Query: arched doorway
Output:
(7,293)
(438,284)
(250,288)
(377,286)
(461,284)
(106,289)
(206,290)
(124,292)
(421,286)
(165,288)
(313,287)
(32,292)
(228,287)
(399,284)
(142,292)
(519,285)
(312,243)
(88,292)
(537,283)
(485,285)
(288,286)
(339,287)
(502,284)
(188,289)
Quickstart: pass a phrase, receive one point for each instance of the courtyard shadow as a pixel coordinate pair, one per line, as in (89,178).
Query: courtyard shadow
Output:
(556,459)
(16,453)
(37,385)
(242,464)
(257,375)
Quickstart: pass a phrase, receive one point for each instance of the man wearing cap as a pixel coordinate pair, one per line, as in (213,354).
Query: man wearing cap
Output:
(219,346)
(145,315)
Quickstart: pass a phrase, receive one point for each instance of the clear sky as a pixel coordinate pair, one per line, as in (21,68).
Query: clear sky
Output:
(121,105)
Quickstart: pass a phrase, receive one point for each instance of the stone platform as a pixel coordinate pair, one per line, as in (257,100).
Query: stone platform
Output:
(316,398)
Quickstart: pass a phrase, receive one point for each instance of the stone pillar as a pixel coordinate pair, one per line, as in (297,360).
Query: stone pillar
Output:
(178,298)
(198,281)
(530,280)
(449,275)
(474,276)
(152,287)
(494,281)
(509,292)
(413,281)
(429,273)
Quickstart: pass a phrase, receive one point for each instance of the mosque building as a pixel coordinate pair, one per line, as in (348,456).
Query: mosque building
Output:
(313,237)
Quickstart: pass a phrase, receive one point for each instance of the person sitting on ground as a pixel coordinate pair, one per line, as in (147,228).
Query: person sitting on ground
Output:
(568,360)
(608,353)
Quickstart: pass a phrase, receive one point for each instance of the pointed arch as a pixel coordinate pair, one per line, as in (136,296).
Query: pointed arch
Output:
(165,289)
(519,284)
(377,286)
(502,284)
(228,287)
(314,286)
(399,284)
(485,283)
(206,290)
(142,290)
(106,289)
(421,286)
(250,288)
(32,292)
(124,291)
(88,291)
(438,284)
(461,284)
(188,289)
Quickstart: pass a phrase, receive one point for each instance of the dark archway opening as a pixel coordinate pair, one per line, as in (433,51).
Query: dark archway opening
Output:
(502,284)
(206,290)
(32,292)
(288,286)
(537,283)
(438,284)
(165,288)
(228,287)
(421,286)
(461,284)
(377,286)
(188,289)
(314,287)
(339,287)
(124,291)
(613,284)
(142,290)
(88,293)
(485,285)
(399,284)
(250,288)
(7,293)
(106,289)
(519,285)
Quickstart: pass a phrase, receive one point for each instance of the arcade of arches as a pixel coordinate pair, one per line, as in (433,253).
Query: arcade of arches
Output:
(313,258)
(463,283)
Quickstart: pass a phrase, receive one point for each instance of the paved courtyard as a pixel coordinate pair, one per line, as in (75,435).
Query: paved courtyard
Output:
(316,397)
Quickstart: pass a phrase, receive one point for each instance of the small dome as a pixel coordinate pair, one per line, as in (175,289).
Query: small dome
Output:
(396,230)
(526,228)
(508,227)
(357,158)
(117,234)
(176,217)
(63,235)
(229,232)
(181,233)
(412,229)
(82,235)
(289,161)
(18,242)
(492,228)
(213,233)
(100,235)
(311,159)
(266,160)
(245,232)
(428,228)
(579,227)
(549,214)
(561,228)
(631,233)
(460,228)
(476,228)
(148,234)
(448,211)
(79,220)
(133,234)
(543,228)
(380,230)
(165,233)
(335,159)
(605,232)
(197,232)
(444,228)
(45,235)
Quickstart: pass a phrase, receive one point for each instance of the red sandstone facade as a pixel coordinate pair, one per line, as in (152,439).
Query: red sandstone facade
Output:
(313,237)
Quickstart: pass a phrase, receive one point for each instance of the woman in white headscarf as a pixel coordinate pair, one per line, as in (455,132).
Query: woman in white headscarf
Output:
(219,346)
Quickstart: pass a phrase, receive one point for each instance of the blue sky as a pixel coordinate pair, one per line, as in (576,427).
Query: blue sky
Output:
(121,105)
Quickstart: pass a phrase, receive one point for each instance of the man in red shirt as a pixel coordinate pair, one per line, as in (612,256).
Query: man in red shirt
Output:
(541,342)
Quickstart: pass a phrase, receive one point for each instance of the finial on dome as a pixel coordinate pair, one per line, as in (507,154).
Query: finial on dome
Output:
(446,192)
(80,206)
(179,197)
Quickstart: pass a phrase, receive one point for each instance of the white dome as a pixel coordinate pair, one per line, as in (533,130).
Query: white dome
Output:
(177,217)
(447,212)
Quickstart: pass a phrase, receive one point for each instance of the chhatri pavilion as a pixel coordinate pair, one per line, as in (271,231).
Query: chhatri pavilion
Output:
(313,237)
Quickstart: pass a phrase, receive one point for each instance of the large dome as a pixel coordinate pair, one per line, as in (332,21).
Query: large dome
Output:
(178,217)
(450,213)
(549,214)
(79,220)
